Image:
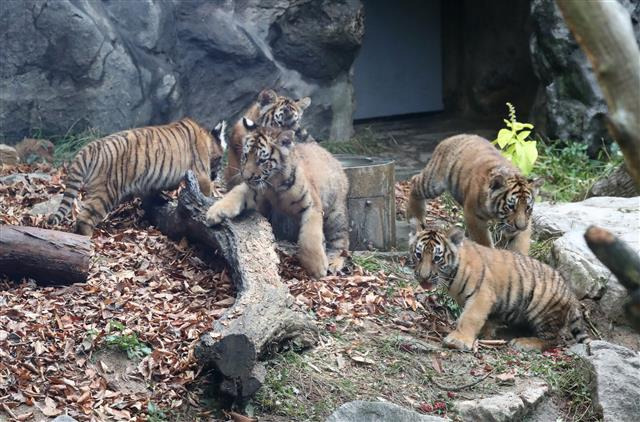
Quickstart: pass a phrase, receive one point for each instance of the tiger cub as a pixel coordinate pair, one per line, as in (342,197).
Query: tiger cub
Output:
(301,180)
(140,161)
(495,284)
(271,110)
(485,183)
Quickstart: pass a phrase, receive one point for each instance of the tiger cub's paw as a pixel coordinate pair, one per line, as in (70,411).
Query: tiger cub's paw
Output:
(336,263)
(456,340)
(215,214)
(314,262)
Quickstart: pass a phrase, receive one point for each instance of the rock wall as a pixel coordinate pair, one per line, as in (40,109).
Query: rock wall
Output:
(569,104)
(66,65)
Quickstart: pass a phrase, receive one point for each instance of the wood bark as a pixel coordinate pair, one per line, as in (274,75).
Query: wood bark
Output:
(618,183)
(603,29)
(623,262)
(262,316)
(49,257)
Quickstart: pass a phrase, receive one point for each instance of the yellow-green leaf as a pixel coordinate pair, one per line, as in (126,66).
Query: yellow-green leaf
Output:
(522,136)
(504,138)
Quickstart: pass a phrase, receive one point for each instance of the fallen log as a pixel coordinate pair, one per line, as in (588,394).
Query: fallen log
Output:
(50,257)
(623,262)
(262,316)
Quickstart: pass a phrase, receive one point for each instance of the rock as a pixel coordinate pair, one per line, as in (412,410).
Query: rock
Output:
(8,155)
(585,274)
(569,104)
(500,408)
(24,178)
(510,406)
(532,392)
(616,379)
(63,418)
(115,65)
(369,411)
(47,207)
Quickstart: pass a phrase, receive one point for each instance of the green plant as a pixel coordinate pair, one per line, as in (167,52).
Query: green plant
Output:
(68,145)
(514,144)
(568,172)
(569,378)
(154,413)
(126,341)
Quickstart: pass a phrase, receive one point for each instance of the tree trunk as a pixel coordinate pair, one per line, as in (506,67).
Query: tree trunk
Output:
(262,316)
(603,30)
(623,262)
(618,183)
(48,256)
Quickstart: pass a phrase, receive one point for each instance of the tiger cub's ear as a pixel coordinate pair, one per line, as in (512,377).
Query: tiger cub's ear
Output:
(536,184)
(219,133)
(249,124)
(285,139)
(303,103)
(267,96)
(497,182)
(456,236)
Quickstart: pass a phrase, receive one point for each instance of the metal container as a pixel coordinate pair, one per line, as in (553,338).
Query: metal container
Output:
(371,201)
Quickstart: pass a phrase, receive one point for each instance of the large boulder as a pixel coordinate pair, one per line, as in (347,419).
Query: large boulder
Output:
(615,380)
(569,104)
(374,411)
(112,65)
(587,276)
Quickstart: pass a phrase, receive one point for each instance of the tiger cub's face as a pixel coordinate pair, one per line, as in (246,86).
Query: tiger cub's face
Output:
(435,253)
(265,152)
(280,111)
(511,199)
(217,148)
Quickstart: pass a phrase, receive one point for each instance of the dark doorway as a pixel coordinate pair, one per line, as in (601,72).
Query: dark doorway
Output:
(399,68)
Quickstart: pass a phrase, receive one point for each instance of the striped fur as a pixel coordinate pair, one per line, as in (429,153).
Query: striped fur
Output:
(496,285)
(301,180)
(141,162)
(485,183)
(270,110)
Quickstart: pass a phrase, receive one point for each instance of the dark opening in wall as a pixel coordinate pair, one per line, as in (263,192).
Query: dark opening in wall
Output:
(485,56)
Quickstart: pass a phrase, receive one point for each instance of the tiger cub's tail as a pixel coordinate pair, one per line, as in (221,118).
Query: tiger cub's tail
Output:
(74,181)
(577,325)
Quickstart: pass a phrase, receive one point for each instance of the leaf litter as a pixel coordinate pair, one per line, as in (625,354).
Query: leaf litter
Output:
(160,293)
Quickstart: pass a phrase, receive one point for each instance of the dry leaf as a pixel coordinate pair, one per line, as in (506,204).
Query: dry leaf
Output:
(436,363)
(506,378)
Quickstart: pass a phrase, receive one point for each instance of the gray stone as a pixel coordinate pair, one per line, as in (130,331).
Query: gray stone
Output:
(369,411)
(616,379)
(500,408)
(113,65)
(14,178)
(47,207)
(532,392)
(63,418)
(586,275)
(510,406)
(569,104)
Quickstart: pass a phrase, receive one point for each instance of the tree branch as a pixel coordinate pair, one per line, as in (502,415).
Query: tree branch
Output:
(603,30)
